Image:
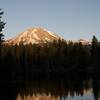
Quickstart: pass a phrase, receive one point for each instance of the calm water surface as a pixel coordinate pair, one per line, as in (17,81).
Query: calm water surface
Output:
(69,90)
(87,96)
(52,88)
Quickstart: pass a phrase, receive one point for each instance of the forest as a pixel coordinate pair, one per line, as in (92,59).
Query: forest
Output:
(23,62)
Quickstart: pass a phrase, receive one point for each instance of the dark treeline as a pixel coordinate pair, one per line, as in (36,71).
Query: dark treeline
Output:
(21,62)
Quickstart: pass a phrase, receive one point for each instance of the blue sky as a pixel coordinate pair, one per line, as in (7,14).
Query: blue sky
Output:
(72,19)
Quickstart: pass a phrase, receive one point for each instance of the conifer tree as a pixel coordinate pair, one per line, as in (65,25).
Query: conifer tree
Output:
(94,50)
(2,24)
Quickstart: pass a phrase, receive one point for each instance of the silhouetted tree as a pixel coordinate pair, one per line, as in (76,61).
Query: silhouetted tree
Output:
(94,50)
(1,40)
(2,24)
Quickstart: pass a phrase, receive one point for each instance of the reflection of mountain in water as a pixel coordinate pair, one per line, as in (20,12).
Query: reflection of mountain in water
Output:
(52,89)
(58,90)
(38,97)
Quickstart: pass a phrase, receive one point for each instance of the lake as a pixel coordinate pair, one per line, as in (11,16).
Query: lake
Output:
(52,89)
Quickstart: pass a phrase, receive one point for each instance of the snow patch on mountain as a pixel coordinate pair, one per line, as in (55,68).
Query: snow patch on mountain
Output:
(51,33)
(35,36)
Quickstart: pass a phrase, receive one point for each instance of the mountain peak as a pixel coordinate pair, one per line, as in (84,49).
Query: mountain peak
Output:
(34,36)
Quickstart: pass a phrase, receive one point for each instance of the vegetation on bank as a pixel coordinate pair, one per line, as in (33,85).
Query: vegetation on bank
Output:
(22,61)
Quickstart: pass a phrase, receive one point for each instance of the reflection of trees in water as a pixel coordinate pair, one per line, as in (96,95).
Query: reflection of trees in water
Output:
(57,89)
(50,89)
(96,88)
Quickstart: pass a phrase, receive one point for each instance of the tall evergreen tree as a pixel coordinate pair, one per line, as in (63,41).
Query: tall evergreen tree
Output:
(2,24)
(94,41)
(94,50)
